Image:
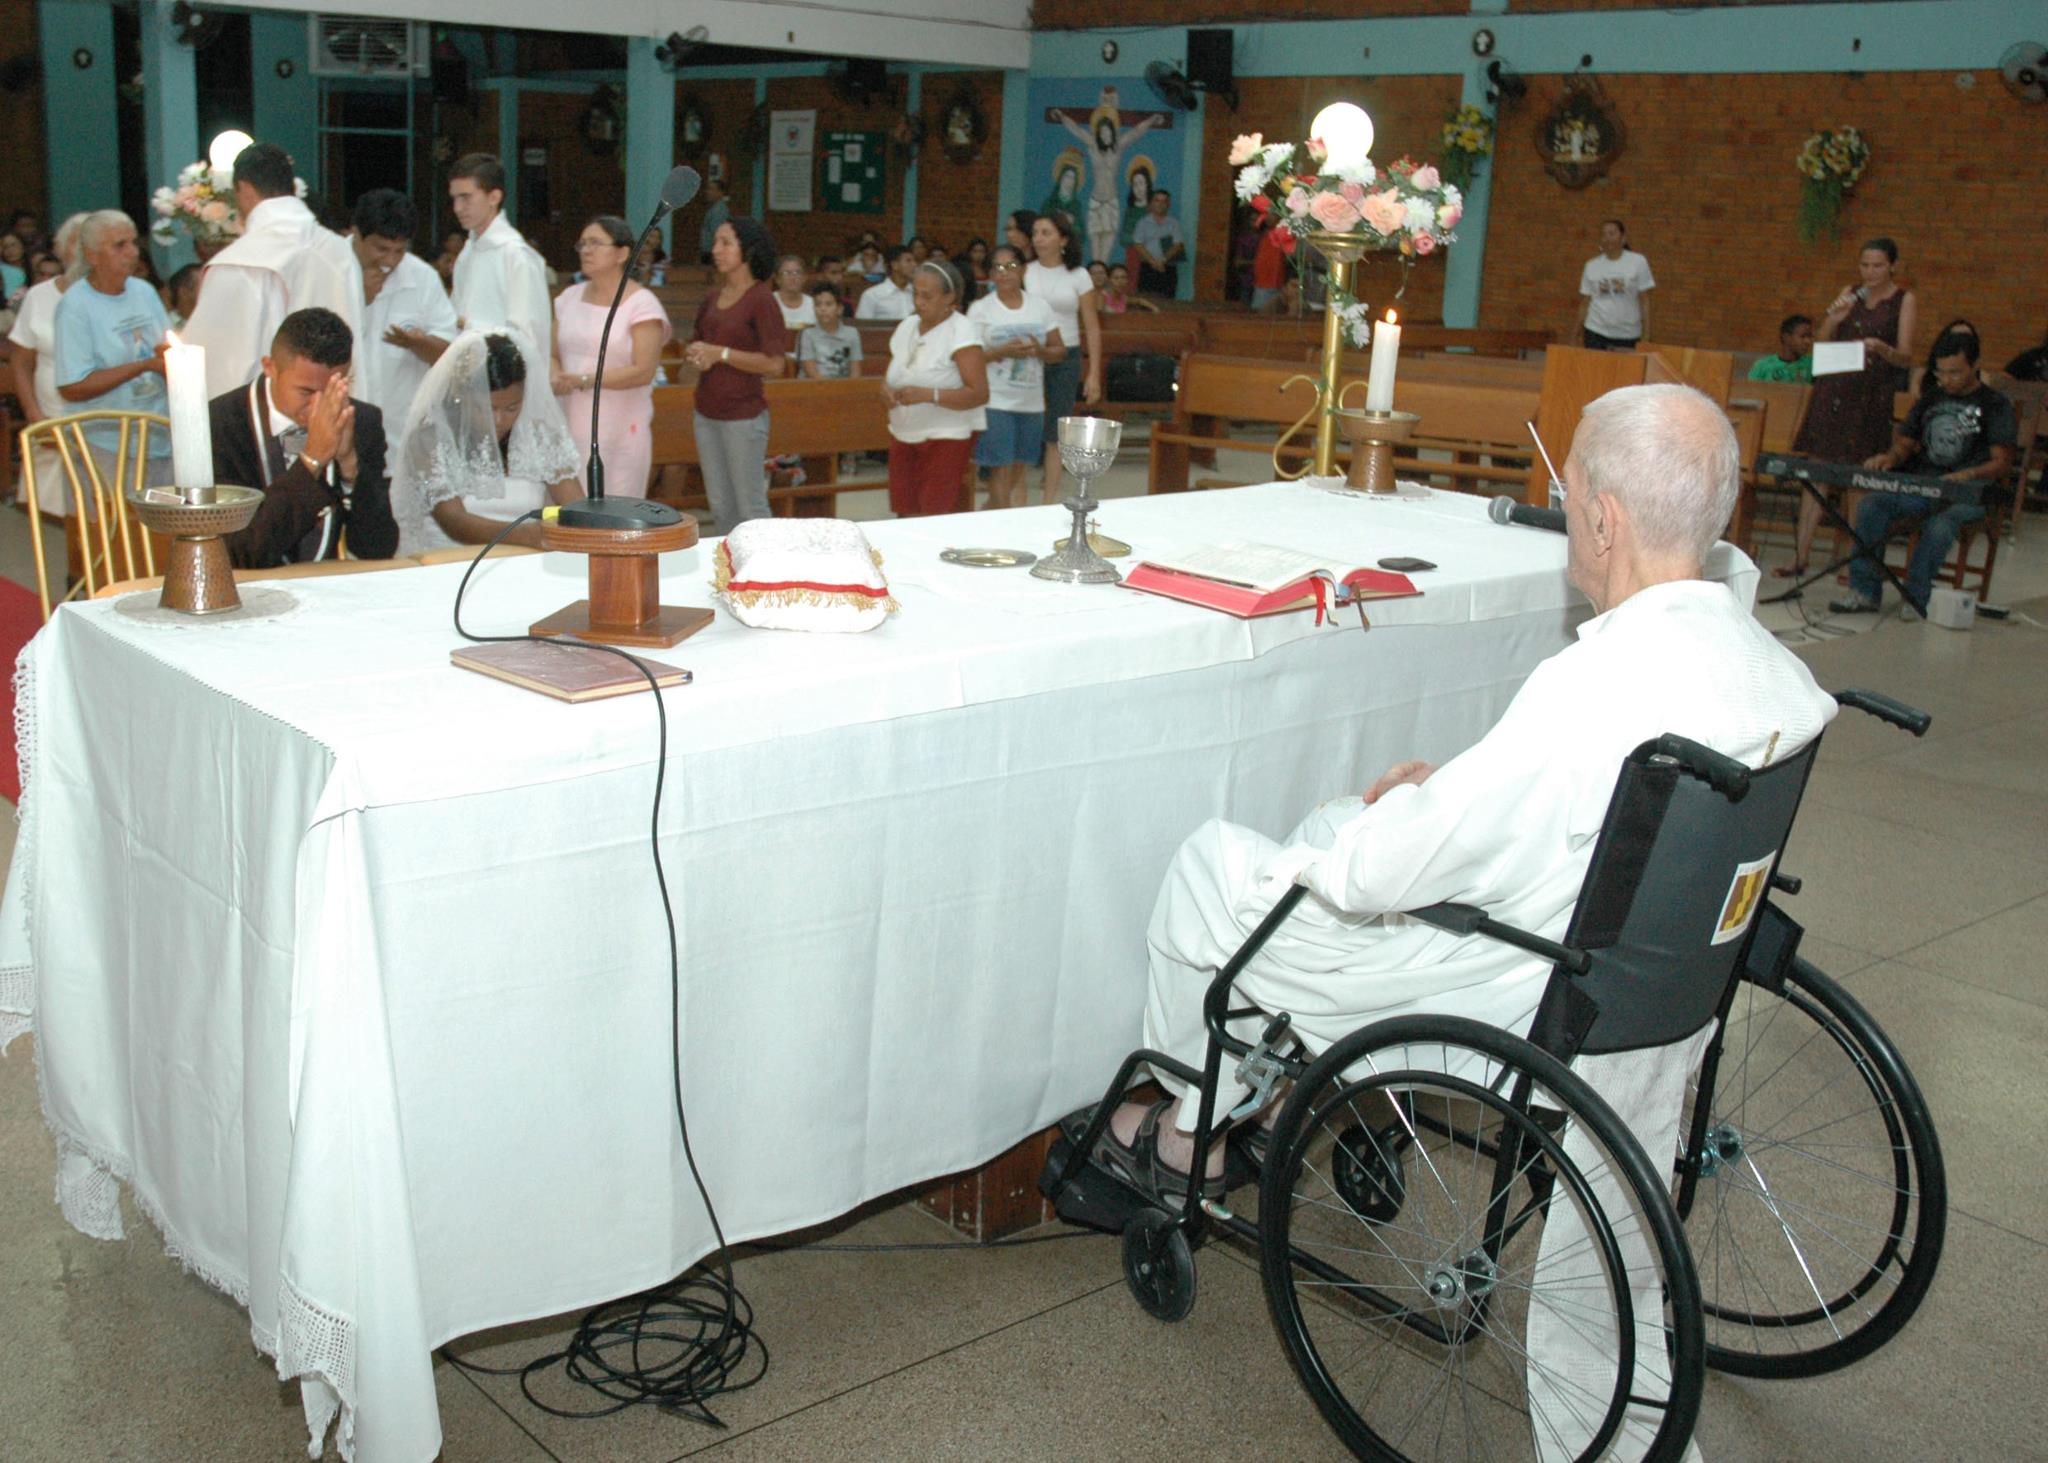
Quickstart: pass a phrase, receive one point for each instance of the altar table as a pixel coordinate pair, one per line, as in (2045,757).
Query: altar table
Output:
(350,964)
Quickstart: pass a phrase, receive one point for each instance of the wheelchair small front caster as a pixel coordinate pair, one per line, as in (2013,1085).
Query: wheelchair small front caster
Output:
(1158,1266)
(1366,1172)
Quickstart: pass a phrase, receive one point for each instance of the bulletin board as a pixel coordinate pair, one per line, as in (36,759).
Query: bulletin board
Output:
(851,171)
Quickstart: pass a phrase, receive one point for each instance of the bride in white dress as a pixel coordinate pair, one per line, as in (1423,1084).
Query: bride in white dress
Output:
(481,448)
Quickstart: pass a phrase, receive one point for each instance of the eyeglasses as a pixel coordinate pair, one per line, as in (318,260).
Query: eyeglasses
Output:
(1003,268)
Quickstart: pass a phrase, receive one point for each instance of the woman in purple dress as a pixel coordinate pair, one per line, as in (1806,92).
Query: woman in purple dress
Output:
(1850,418)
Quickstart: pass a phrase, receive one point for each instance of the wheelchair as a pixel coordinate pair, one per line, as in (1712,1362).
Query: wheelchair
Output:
(1466,1252)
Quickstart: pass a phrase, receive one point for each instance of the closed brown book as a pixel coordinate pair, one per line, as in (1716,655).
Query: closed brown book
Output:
(565,672)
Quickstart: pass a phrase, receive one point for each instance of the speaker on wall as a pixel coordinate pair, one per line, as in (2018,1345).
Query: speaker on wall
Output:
(1209,60)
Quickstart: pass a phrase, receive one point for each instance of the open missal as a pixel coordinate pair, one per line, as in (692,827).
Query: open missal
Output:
(1248,580)
(565,672)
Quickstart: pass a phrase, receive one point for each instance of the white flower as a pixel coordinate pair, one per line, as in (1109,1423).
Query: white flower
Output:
(1276,155)
(1361,172)
(1357,323)
(1453,195)
(1421,215)
(299,189)
(1251,181)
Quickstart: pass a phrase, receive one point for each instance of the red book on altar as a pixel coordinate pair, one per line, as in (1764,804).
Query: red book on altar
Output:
(1249,580)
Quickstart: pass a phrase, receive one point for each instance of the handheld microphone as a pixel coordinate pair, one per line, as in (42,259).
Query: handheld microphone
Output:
(1508,509)
(596,511)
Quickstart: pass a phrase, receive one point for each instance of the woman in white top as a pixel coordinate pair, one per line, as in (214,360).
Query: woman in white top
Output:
(481,448)
(35,333)
(935,389)
(799,310)
(1056,277)
(1021,339)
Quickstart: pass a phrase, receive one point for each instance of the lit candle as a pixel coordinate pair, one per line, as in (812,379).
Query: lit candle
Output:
(1386,344)
(191,431)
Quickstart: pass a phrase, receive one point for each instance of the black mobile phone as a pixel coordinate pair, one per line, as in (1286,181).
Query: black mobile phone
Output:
(1406,566)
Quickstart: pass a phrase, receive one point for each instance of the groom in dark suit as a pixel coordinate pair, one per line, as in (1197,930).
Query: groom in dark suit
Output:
(317,453)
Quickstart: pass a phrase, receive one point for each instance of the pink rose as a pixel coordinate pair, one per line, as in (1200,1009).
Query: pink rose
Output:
(213,210)
(1297,203)
(1427,178)
(1334,212)
(1425,243)
(1385,211)
(1449,214)
(1352,193)
(1245,148)
(1318,150)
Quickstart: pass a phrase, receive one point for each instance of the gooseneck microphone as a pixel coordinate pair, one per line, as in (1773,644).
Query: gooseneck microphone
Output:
(597,511)
(1508,509)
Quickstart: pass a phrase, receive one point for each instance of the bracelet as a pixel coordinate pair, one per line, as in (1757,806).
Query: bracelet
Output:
(725,353)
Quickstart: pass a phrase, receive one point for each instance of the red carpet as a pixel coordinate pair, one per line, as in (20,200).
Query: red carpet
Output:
(21,616)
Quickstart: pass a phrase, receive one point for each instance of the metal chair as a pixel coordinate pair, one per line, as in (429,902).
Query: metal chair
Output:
(1466,1252)
(104,541)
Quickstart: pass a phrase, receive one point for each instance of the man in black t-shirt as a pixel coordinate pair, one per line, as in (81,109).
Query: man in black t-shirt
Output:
(1967,430)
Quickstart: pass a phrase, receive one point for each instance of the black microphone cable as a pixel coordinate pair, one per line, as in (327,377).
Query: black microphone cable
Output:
(698,1328)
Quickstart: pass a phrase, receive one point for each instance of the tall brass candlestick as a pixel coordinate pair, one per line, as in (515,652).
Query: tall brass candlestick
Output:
(1342,251)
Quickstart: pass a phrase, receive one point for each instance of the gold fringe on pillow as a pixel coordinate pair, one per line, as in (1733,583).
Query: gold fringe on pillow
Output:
(822,598)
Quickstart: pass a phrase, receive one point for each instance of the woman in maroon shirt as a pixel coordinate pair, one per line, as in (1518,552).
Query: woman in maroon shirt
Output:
(740,342)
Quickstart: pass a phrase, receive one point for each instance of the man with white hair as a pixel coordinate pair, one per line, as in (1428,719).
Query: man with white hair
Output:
(284,261)
(1509,824)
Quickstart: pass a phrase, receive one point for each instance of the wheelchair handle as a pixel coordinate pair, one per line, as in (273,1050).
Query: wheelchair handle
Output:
(1724,775)
(1884,708)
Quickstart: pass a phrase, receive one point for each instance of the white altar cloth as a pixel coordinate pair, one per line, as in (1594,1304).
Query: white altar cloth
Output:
(350,964)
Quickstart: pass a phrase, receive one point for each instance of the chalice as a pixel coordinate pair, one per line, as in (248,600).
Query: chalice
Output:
(1087,448)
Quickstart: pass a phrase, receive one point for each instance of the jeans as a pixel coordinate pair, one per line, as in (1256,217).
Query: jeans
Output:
(1875,519)
(1595,341)
(734,457)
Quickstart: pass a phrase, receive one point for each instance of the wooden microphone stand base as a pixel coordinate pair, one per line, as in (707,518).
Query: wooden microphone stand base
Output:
(625,605)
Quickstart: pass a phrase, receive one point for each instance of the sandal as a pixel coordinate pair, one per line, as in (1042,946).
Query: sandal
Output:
(1140,1166)
(1789,571)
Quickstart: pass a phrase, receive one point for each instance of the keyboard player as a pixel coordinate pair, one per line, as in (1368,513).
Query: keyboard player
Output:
(1966,431)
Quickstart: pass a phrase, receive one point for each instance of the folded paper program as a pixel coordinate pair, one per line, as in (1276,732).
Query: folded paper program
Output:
(802,574)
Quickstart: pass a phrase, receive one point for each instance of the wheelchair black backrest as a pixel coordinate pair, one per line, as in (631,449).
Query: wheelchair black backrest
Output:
(1679,876)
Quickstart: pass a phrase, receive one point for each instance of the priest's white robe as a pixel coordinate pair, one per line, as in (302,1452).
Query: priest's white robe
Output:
(284,261)
(1508,825)
(500,281)
(388,375)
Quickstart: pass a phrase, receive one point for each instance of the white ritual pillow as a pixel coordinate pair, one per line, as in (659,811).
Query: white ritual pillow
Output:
(802,574)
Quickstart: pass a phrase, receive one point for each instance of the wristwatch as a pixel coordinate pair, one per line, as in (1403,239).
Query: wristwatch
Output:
(725,353)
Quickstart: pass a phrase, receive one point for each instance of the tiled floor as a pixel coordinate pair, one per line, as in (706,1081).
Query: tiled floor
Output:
(1927,881)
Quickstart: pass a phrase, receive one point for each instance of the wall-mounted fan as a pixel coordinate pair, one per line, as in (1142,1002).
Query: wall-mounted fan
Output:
(1171,85)
(681,46)
(2025,69)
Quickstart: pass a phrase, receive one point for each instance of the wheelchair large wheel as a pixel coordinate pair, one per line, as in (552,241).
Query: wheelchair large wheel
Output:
(1812,1191)
(1529,1294)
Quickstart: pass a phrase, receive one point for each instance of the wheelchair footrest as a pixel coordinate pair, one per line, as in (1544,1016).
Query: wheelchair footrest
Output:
(1089,1197)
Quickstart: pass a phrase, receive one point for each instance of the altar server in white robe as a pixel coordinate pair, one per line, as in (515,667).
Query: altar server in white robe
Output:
(500,281)
(284,261)
(1510,823)
(408,320)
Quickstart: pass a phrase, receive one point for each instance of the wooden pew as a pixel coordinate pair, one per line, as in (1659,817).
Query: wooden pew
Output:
(1782,405)
(815,420)
(1284,337)
(1705,370)
(1479,426)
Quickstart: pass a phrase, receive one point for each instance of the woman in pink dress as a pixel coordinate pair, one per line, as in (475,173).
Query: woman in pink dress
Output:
(630,363)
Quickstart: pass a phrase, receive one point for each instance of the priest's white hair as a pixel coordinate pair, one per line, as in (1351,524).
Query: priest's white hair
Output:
(1669,454)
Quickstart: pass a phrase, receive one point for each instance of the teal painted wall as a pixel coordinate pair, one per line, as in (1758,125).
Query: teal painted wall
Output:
(170,110)
(84,171)
(286,109)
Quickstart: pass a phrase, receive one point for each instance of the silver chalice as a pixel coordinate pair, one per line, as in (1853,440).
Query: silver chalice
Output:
(1087,448)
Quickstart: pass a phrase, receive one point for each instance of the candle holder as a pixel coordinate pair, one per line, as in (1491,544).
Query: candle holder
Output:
(1374,436)
(1087,448)
(198,578)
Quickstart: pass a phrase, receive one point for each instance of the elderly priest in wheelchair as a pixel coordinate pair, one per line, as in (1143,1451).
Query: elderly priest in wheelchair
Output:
(1508,825)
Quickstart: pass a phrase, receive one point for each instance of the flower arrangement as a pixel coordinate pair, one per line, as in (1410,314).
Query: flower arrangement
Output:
(1831,161)
(201,205)
(1409,208)
(1467,137)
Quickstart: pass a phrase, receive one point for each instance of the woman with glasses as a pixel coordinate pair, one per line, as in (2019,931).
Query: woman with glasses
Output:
(1019,338)
(630,362)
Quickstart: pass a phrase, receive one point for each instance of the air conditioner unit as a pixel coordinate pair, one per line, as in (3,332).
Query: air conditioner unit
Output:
(355,45)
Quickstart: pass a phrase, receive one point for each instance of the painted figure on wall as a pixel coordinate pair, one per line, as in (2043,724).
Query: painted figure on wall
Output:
(1065,198)
(1107,133)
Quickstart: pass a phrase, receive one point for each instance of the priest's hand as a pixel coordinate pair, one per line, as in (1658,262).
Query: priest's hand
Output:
(1401,774)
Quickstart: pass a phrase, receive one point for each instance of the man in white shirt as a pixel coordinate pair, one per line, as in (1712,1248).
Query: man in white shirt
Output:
(407,317)
(1508,824)
(284,261)
(499,280)
(890,299)
(1613,311)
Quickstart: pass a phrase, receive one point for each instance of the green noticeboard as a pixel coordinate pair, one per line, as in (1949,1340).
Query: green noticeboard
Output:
(850,171)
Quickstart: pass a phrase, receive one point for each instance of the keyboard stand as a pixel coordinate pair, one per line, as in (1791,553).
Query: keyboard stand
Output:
(1872,552)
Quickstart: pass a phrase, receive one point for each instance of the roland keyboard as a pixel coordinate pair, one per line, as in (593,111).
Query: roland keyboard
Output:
(1969,494)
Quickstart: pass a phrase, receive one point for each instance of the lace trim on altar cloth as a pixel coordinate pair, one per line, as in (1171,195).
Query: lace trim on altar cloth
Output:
(17,982)
(318,1347)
